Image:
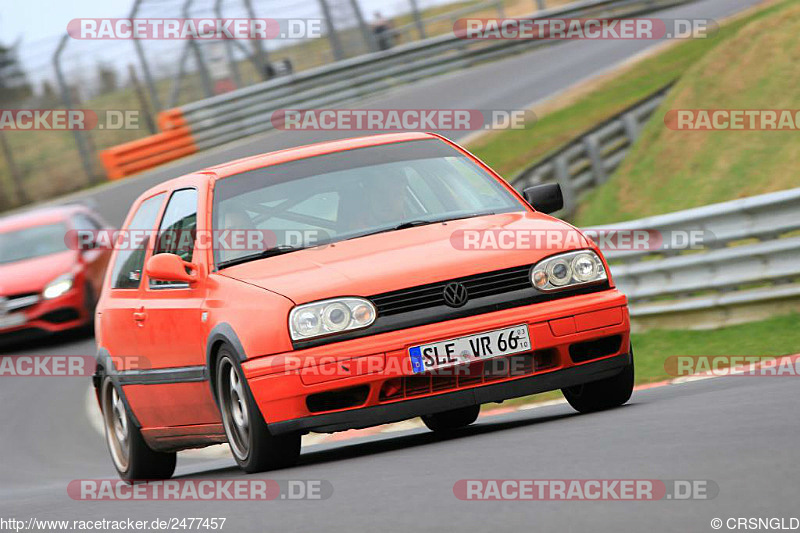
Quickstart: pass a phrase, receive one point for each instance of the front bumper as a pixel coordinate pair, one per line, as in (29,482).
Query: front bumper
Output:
(368,381)
(395,412)
(66,312)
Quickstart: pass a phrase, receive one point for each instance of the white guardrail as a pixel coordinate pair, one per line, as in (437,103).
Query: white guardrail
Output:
(247,111)
(750,256)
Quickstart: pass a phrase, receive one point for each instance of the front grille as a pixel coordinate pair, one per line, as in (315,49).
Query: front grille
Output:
(478,373)
(432,295)
(18,302)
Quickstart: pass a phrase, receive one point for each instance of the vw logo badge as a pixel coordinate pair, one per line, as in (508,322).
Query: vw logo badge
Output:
(455,294)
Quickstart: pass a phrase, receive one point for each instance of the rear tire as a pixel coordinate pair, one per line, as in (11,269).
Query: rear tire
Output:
(132,457)
(251,443)
(453,419)
(604,394)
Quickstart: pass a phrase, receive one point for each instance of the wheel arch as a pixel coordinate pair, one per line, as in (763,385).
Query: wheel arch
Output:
(222,334)
(105,367)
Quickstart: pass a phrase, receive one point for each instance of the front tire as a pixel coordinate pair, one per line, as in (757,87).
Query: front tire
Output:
(604,394)
(251,443)
(132,457)
(453,419)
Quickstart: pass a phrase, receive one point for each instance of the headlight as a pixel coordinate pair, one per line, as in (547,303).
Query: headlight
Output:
(568,270)
(330,316)
(58,286)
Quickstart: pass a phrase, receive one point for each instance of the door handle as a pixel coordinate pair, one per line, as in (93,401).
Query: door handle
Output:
(140,315)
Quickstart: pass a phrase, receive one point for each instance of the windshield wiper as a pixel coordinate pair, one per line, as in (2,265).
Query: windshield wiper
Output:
(416,223)
(269,252)
(413,224)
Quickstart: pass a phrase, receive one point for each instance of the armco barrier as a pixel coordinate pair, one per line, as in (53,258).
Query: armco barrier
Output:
(248,111)
(747,268)
(591,158)
(174,142)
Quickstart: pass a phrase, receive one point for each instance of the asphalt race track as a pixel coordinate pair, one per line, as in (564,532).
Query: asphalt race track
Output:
(739,432)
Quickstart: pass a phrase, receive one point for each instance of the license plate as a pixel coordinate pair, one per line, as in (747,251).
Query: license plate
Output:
(12,321)
(464,350)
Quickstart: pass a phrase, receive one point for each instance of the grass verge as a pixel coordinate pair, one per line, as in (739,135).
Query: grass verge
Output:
(670,170)
(511,151)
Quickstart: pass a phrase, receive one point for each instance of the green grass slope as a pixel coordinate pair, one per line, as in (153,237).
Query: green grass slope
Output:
(672,170)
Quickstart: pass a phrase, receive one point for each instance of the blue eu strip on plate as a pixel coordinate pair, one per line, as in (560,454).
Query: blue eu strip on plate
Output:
(416,359)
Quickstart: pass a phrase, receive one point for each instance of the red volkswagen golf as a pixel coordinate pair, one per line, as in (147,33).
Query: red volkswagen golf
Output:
(344,285)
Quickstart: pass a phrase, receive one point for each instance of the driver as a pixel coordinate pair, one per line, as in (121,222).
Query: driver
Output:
(385,200)
(234,219)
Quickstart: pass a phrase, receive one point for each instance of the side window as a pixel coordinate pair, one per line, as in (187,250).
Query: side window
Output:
(128,266)
(84,222)
(86,228)
(178,230)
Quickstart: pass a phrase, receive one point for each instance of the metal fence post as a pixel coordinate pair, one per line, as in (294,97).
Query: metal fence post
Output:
(631,124)
(261,56)
(83,145)
(228,49)
(205,79)
(176,84)
(593,149)
(143,103)
(148,77)
(369,38)
(333,37)
(501,13)
(418,19)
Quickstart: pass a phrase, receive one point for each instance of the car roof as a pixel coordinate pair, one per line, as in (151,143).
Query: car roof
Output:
(41,215)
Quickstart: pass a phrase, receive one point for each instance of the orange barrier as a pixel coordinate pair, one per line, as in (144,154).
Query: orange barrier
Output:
(175,141)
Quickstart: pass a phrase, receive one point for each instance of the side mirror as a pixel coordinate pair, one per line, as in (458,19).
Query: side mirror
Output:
(170,267)
(545,198)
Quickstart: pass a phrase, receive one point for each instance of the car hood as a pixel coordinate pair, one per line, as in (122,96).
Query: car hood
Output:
(31,275)
(396,260)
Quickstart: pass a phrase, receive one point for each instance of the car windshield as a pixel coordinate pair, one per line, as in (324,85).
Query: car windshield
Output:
(349,194)
(34,241)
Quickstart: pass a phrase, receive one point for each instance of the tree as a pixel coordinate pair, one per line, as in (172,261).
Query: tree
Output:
(13,81)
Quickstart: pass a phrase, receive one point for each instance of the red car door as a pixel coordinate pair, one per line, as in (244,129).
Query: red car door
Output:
(122,301)
(180,394)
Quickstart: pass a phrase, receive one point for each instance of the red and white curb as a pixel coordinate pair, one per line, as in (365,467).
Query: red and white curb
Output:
(222,450)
